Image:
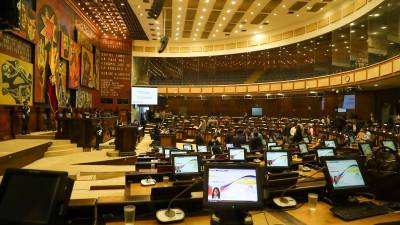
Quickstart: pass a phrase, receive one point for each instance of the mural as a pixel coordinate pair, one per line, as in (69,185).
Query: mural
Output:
(47,49)
(74,66)
(97,69)
(84,40)
(63,94)
(27,22)
(83,99)
(65,47)
(87,78)
(16,80)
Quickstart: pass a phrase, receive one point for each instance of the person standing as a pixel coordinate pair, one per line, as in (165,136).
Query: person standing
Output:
(26,111)
(99,135)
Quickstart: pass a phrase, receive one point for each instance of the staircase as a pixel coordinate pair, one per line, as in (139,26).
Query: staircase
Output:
(62,147)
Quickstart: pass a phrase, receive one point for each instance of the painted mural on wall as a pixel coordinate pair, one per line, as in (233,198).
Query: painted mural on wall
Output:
(65,50)
(83,99)
(87,78)
(48,51)
(74,66)
(63,95)
(27,22)
(16,80)
(97,68)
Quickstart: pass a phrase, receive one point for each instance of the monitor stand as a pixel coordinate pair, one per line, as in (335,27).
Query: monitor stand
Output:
(231,217)
(340,200)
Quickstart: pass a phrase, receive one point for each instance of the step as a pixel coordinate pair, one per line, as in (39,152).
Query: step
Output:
(47,137)
(62,152)
(61,146)
(60,142)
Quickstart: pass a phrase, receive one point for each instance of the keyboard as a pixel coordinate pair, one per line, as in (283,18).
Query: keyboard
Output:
(358,211)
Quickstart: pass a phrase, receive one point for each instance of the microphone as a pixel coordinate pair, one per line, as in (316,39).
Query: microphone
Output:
(171,215)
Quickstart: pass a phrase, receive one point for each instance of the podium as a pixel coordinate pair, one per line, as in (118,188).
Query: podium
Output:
(126,138)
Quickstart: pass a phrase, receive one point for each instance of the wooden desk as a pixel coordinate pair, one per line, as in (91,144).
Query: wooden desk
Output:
(301,216)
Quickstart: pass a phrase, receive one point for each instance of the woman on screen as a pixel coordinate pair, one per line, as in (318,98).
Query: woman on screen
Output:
(216,194)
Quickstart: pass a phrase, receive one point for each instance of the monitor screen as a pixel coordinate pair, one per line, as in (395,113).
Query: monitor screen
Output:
(323,152)
(247,147)
(144,95)
(303,148)
(187,147)
(186,164)
(351,139)
(344,174)
(166,152)
(349,102)
(237,154)
(366,149)
(341,110)
(177,152)
(229,145)
(256,111)
(330,143)
(277,159)
(269,144)
(275,147)
(160,150)
(389,144)
(306,140)
(202,148)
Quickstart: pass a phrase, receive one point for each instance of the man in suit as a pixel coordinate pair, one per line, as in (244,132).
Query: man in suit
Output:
(26,111)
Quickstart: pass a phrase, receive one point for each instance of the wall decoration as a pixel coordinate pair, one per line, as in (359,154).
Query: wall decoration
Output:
(47,52)
(27,22)
(65,47)
(16,80)
(115,75)
(84,40)
(74,65)
(87,78)
(63,94)
(97,68)
(83,99)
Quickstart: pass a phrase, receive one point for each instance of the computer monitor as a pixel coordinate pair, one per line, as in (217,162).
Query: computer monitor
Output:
(352,139)
(365,149)
(230,186)
(237,154)
(325,152)
(177,152)
(167,150)
(186,164)
(160,150)
(277,160)
(187,147)
(202,148)
(306,139)
(330,143)
(271,138)
(343,175)
(229,145)
(34,197)
(389,144)
(246,146)
(276,148)
(303,148)
(269,144)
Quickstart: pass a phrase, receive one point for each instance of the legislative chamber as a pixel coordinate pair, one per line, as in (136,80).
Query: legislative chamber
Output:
(220,112)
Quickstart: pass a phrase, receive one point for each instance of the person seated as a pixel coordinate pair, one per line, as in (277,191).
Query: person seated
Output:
(239,138)
(255,142)
(199,140)
(214,141)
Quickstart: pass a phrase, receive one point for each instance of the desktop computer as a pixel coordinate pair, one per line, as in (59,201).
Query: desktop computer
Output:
(237,154)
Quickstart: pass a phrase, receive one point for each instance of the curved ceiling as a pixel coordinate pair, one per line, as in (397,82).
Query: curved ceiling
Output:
(203,20)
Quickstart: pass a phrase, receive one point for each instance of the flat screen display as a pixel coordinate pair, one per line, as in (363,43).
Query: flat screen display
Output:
(341,110)
(256,111)
(306,140)
(303,148)
(202,148)
(330,144)
(186,164)
(269,144)
(275,147)
(349,102)
(389,144)
(323,152)
(187,147)
(366,149)
(144,95)
(177,152)
(166,152)
(247,147)
(228,184)
(345,174)
(276,159)
(229,145)
(237,154)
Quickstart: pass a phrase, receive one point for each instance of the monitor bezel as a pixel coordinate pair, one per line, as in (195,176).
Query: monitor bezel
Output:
(187,144)
(278,168)
(187,155)
(334,141)
(197,149)
(340,191)
(305,144)
(237,160)
(228,205)
(361,149)
(321,157)
(169,149)
(230,144)
(278,146)
(177,150)
(247,149)
(394,143)
(275,143)
(308,138)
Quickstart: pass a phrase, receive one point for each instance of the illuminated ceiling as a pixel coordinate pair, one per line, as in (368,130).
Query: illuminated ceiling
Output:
(202,20)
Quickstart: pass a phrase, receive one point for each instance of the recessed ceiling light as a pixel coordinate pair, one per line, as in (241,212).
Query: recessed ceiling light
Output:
(204,9)
(233,2)
(275,14)
(251,13)
(179,16)
(199,23)
(384,27)
(376,85)
(259,4)
(297,15)
(180,8)
(216,30)
(228,11)
(224,18)
(201,17)
(220,25)
(284,6)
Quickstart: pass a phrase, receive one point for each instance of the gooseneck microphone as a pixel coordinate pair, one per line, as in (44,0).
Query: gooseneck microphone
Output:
(171,215)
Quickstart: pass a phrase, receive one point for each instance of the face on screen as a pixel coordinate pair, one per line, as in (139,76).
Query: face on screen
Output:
(247,147)
(330,144)
(187,147)
(232,185)
(186,164)
(366,148)
(276,159)
(202,148)
(344,173)
(389,144)
(236,154)
(325,152)
(303,148)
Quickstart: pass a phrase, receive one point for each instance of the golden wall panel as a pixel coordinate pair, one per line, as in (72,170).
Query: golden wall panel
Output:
(185,49)
(173,50)
(242,44)
(311,27)
(347,10)
(197,49)
(373,72)
(323,82)
(323,23)
(138,48)
(252,88)
(287,35)
(300,31)
(276,87)
(386,68)
(360,75)
(150,49)
(219,47)
(311,83)
(299,85)
(230,89)
(287,86)
(335,80)
(218,89)
(207,90)
(335,16)
(264,87)
(359,3)
(230,46)
(162,90)
(396,65)
(208,48)
(184,90)
(348,78)
(172,90)
(276,37)
(241,89)
(195,90)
